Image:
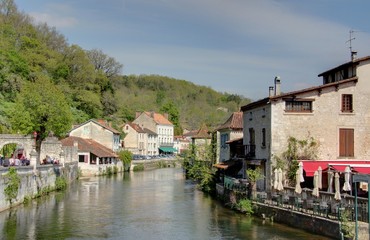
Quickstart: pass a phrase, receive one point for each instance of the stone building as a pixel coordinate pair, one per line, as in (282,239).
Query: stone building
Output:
(230,130)
(160,125)
(138,140)
(100,131)
(336,114)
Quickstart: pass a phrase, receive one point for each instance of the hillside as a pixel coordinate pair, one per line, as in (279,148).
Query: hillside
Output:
(47,84)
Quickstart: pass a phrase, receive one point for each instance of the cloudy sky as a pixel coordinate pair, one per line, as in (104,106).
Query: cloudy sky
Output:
(234,46)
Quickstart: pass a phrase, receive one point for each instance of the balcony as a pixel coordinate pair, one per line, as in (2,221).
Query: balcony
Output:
(250,151)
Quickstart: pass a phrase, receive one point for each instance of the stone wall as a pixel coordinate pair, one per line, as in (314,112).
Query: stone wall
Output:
(34,180)
(313,224)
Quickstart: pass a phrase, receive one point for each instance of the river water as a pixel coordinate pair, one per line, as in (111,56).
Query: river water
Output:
(159,204)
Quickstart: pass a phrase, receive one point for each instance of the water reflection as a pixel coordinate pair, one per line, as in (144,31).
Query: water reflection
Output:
(158,204)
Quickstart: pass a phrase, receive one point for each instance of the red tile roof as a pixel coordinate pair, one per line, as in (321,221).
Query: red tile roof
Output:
(136,127)
(89,145)
(202,132)
(235,122)
(158,118)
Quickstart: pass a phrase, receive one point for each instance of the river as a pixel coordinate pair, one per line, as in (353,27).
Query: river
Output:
(158,204)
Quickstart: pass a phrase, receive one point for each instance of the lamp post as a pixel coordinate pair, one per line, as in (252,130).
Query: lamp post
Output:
(35,136)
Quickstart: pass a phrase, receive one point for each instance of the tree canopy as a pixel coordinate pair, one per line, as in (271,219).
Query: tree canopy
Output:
(50,84)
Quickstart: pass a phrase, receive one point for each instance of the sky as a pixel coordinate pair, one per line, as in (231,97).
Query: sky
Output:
(233,46)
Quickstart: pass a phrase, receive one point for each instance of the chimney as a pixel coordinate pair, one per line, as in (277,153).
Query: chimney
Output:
(277,86)
(152,114)
(165,115)
(271,91)
(353,55)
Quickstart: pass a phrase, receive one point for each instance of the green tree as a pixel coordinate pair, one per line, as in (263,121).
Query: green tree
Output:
(126,157)
(40,106)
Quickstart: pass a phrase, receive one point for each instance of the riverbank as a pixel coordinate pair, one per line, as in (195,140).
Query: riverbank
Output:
(310,220)
(27,182)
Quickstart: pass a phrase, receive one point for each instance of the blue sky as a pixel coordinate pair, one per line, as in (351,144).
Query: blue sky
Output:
(234,46)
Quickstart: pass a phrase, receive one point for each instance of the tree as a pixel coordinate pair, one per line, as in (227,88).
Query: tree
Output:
(102,62)
(40,106)
(125,156)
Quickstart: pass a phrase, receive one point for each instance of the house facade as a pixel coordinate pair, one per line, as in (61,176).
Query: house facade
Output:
(228,131)
(160,125)
(336,114)
(134,140)
(93,157)
(100,131)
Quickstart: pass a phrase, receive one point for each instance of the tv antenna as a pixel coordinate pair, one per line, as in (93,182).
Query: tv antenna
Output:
(351,38)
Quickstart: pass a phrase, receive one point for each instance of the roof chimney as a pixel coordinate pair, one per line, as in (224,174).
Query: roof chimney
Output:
(353,55)
(271,91)
(277,86)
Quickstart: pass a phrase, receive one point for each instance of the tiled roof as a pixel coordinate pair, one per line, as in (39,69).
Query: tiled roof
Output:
(89,145)
(158,118)
(318,89)
(235,121)
(202,132)
(136,127)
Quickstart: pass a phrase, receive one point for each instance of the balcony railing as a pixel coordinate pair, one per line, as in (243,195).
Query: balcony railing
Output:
(250,151)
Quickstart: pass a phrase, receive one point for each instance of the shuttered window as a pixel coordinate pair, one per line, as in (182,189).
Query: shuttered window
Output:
(346,142)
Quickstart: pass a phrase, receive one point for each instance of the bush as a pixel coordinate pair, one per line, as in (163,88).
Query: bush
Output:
(139,167)
(11,189)
(245,206)
(60,183)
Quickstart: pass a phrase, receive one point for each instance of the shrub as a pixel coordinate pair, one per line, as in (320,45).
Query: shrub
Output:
(60,183)
(245,206)
(11,189)
(139,167)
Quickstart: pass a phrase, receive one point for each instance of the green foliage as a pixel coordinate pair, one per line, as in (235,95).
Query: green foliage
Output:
(245,206)
(125,156)
(41,107)
(347,227)
(60,183)
(305,149)
(90,82)
(254,174)
(139,167)
(12,186)
(161,164)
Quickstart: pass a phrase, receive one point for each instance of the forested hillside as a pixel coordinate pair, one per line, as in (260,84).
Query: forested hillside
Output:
(47,84)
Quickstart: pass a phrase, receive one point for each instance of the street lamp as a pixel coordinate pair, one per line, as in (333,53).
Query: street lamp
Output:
(35,136)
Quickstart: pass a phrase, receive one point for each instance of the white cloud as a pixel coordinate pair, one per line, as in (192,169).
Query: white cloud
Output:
(54,20)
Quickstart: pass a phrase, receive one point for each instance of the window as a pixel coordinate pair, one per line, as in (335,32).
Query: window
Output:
(298,106)
(224,139)
(263,137)
(346,142)
(347,101)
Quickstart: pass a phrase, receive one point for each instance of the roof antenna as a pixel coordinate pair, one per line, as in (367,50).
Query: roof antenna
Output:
(351,38)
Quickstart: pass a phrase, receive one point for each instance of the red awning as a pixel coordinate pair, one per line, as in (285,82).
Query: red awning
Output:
(360,166)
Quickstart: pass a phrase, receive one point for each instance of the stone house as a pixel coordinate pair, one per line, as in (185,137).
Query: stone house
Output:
(99,131)
(230,130)
(160,125)
(139,140)
(336,114)
(93,157)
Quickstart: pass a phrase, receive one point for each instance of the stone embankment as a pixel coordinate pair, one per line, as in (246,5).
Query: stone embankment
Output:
(35,181)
